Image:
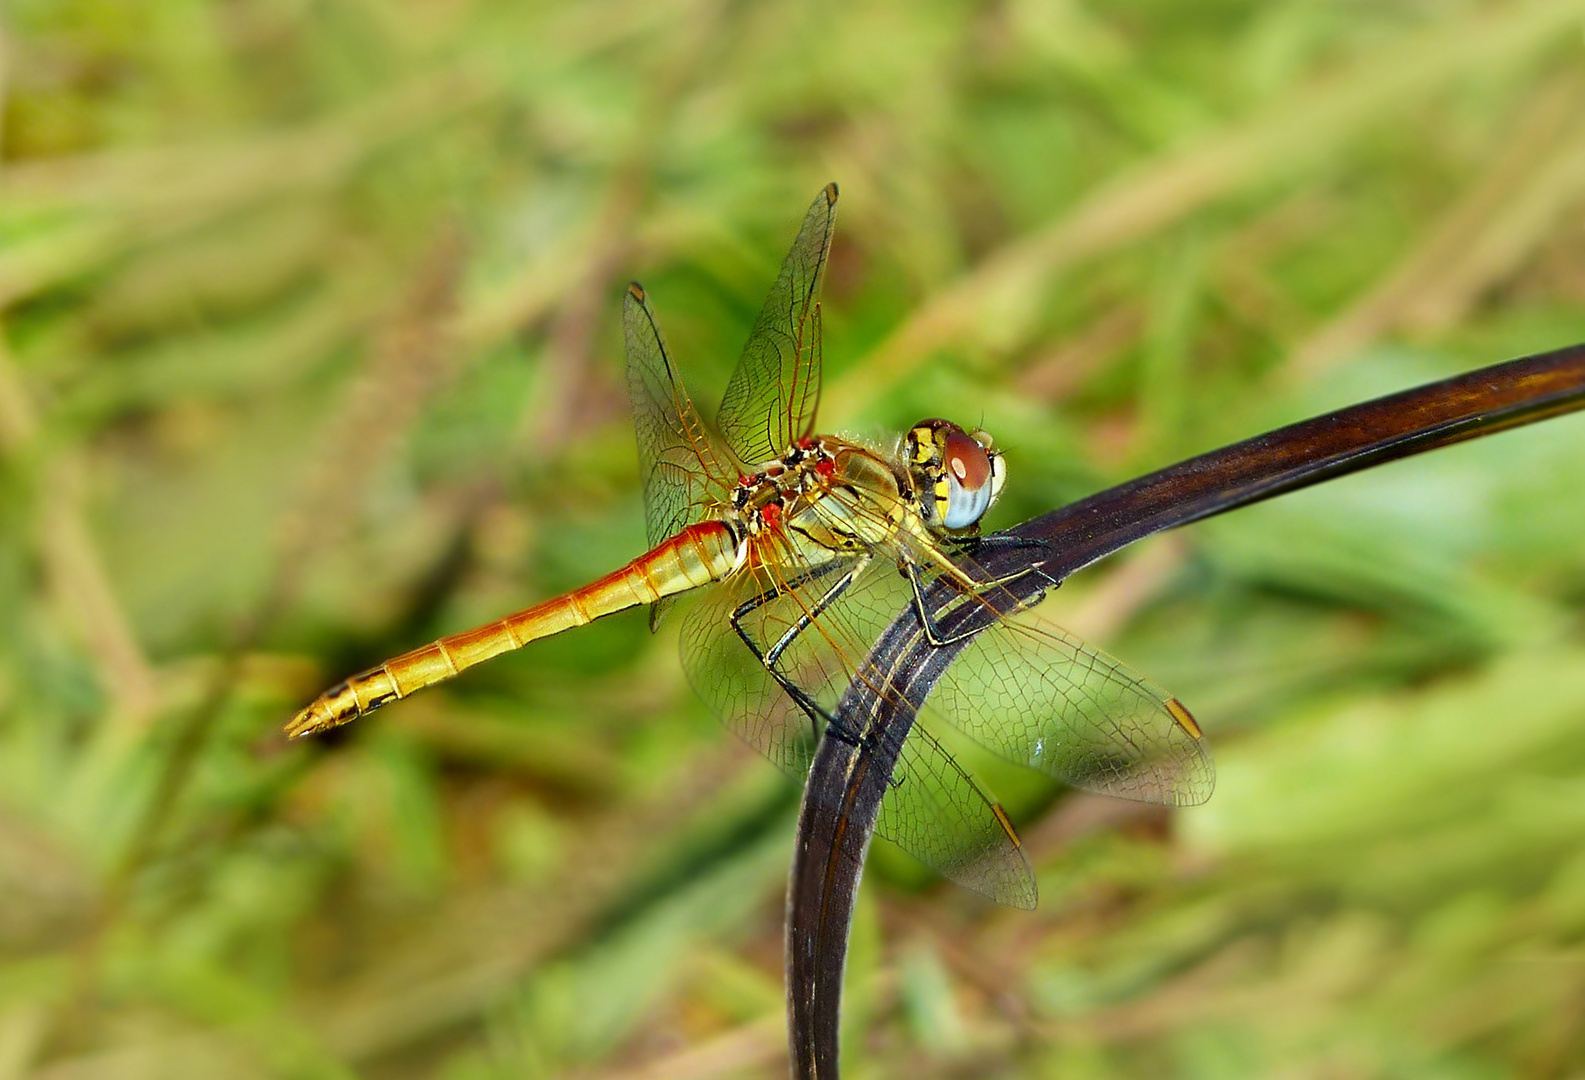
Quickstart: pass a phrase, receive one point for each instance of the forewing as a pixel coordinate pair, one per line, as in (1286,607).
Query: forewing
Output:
(1038,696)
(682,474)
(771,399)
(934,810)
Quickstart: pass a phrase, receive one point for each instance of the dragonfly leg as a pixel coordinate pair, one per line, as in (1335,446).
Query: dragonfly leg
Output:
(770,657)
(1007,540)
(933,632)
(1015,543)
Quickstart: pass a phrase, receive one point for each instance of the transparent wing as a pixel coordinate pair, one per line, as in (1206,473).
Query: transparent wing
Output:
(1036,695)
(682,474)
(771,399)
(813,624)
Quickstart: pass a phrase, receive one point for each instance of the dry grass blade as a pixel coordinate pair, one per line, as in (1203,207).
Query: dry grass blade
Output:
(757,1046)
(1481,239)
(71,559)
(1281,138)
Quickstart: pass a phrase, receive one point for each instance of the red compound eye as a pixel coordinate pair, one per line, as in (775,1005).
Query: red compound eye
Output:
(967,459)
(825,467)
(771,513)
(806,443)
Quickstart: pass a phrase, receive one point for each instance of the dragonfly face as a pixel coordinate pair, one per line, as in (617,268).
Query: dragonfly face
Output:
(956,475)
(804,548)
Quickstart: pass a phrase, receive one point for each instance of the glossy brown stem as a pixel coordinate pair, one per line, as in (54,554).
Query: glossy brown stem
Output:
(847,780)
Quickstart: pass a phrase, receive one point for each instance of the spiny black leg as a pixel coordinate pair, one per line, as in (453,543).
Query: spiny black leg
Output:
(1005,540)
(810,707)
(933,632)
(837,588)
(770,658)
(1015,543)
(803,623)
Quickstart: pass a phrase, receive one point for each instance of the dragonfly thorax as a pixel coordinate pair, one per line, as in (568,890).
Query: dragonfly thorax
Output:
(827,492)
(763,498)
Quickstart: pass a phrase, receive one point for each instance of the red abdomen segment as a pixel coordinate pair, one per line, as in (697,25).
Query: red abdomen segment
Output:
(696,556)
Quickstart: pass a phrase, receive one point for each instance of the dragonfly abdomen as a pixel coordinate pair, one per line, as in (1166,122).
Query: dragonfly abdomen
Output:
(696,556)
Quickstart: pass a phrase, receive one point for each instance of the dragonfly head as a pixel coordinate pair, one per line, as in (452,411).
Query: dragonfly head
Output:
(956,474)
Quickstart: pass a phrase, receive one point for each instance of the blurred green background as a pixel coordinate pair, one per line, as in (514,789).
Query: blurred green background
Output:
(311,352)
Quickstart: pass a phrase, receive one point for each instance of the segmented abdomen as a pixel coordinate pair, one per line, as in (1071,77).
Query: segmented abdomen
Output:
(696,556)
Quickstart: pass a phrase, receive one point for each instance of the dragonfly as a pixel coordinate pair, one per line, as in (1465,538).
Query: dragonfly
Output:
(803,547)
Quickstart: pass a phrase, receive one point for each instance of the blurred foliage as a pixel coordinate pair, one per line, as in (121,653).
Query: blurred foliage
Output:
(310,353)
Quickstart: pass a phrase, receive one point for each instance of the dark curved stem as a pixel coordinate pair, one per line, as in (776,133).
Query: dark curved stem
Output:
(848,779)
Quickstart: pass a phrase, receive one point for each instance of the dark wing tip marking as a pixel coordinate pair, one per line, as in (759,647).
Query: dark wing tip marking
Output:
(1006,824)
(636,291)
(831,193)
(1184,718)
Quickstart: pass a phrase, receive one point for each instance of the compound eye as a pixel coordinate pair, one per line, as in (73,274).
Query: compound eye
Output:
(969,487)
